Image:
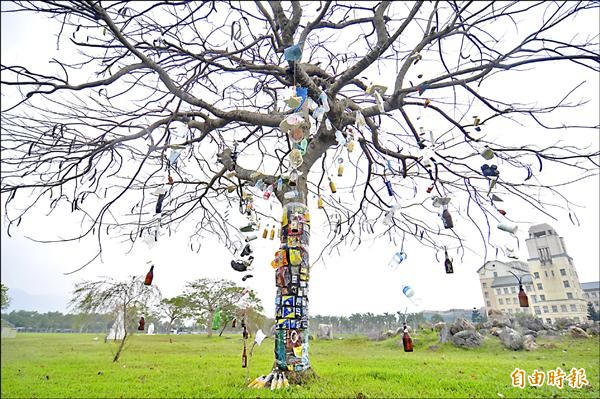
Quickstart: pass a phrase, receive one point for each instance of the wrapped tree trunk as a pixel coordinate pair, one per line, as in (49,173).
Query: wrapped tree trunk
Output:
(291,263)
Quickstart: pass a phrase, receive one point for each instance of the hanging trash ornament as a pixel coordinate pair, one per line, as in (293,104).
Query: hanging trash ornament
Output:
(502,212)
(174,156)
(246,277)
(141,324)
(332,186)
(320,202)
(296,127)
(149,276)
(242,265)
(280,183)
(268,192)
(259,337)
(360,120)
(341,140)
(303,146)
(509,228)
(490,171)
(388,185)
(272,233)
(397,258)
(487,153)
(324,101)
(301,92)
(448,263)
(295,158)
(523,301)
(216,321)
(293,180)
(170,180)
(265,232)
(440,201)
(340,171)
(476,121)
(427,102)
(447,219)
(246,251)
(159,202)
(406,339)
(293,53)
(372,89)
(410,294)
(429,189)
(496,198)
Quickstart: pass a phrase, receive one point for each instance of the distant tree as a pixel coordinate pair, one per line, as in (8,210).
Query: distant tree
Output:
(475,315)
(436,318)
(109,294)
(174,309)
(593,314)
(205,296)
(5,298)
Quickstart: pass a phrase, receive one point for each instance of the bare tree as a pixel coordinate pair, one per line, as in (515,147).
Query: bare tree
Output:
(109,294)
(183,100)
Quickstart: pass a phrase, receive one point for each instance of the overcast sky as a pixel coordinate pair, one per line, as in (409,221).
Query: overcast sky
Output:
(353,281)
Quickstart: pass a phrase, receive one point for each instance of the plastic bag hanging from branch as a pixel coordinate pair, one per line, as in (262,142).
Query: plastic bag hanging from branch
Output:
(216,321)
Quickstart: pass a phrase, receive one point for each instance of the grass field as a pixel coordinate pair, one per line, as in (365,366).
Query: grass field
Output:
(76,365)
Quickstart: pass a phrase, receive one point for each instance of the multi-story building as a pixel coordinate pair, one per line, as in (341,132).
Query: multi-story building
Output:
(549,279)
(501,289)
(591,293)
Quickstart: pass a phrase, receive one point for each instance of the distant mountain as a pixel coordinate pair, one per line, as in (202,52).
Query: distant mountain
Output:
(22,300)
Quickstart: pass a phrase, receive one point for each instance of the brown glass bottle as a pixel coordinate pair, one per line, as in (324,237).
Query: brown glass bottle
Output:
(142,324)
(407,340)
(448,263)
(523,301)
(149,276)
(244,358)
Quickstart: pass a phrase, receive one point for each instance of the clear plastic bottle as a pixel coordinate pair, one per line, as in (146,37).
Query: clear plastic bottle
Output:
(397,258)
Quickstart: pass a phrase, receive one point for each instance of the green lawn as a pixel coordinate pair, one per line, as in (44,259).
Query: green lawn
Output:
(75,365)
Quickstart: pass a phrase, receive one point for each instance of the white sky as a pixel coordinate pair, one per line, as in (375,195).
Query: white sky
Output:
(354,281)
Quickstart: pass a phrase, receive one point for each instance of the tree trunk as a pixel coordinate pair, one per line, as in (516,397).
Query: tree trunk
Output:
(209,324)
(224,327)
(121,345)
(291,312)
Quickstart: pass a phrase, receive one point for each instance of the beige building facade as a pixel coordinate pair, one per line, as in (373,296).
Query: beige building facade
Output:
(549,279)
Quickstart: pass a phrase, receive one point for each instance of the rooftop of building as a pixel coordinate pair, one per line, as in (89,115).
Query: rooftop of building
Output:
(591,286)
(541,230)
(507,281)
(515,265)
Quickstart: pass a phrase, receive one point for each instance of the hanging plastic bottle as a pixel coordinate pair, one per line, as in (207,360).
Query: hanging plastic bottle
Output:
(341,140)
(293,178)
(265,232)
(340,167)
(332,186)
(268,192)
(397,258)
(411,295)
(295,158)
(280,184)
(272,233)
(320,202)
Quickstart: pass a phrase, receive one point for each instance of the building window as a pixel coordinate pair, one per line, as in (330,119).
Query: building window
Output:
(501,301)
(545,308)
(510,310)
(515,301)
(546,273)
(489,304)
(544,254)
(554,308)
(563,308)
(549,320)
(576,318)
(552,271)
(542,297)
(498,292)
(505,290)
(529,287)
(513,290)
(563,272)
(536,275)
(486,294)
(566,283)
(573,307)
(495,274)
(569,295)
(540,286)
(534,298)
(537,310)
(484,285)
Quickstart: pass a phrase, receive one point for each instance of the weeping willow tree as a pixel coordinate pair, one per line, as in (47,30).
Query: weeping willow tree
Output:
(161,117)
